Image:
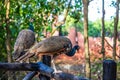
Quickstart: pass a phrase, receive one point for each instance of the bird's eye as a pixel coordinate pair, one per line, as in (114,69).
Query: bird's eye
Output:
(65,45)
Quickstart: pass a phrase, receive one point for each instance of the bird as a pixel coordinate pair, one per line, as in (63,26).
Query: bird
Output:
(54,46)
(25,39)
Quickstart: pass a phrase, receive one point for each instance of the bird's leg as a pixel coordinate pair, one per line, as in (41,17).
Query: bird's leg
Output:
(53,65)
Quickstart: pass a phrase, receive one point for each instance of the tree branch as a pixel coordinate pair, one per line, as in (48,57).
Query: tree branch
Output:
(30,75)
(67,76)
(108,43)
(111,47)
(42,68)
(58,24)
(58,76)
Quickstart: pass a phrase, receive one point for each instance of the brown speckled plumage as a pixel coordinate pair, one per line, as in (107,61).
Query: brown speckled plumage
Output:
(25,40)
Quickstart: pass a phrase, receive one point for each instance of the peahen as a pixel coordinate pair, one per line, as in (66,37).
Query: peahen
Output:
(25,39)
(54,46)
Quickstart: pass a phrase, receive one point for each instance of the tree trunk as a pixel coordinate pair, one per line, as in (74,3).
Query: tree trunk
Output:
(86,42)
(115,29)
(103,30)
(8,40)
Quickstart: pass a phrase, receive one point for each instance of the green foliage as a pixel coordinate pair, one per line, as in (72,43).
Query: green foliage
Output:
(109,28)
(2,33)
(118,70)
(73,22)
(40,13)
(96,70)
(3,54)
(94,29)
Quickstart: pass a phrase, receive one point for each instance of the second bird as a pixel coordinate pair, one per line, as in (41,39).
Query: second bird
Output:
(25,39)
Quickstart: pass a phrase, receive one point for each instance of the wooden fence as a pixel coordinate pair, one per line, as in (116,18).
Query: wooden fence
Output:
(47,73)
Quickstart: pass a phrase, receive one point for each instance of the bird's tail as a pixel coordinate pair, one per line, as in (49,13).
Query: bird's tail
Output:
(25,56)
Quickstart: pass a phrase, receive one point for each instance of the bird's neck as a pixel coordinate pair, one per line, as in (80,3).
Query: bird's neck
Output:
(72,52)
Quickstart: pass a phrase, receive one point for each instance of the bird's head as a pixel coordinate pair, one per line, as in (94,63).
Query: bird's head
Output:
(73,50)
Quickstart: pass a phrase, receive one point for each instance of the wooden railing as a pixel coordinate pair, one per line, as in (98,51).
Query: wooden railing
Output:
(47,73)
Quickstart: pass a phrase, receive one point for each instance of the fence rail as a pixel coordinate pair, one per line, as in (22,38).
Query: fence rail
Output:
(37,67)
(109,70)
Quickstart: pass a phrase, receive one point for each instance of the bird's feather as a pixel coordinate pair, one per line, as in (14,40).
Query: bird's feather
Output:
(25,40)
(50,46)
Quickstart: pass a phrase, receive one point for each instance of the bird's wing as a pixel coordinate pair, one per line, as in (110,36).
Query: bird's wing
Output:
(53,44)
(26,38)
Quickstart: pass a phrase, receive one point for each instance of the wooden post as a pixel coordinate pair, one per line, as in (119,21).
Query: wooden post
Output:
(47,61)
(109,70)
